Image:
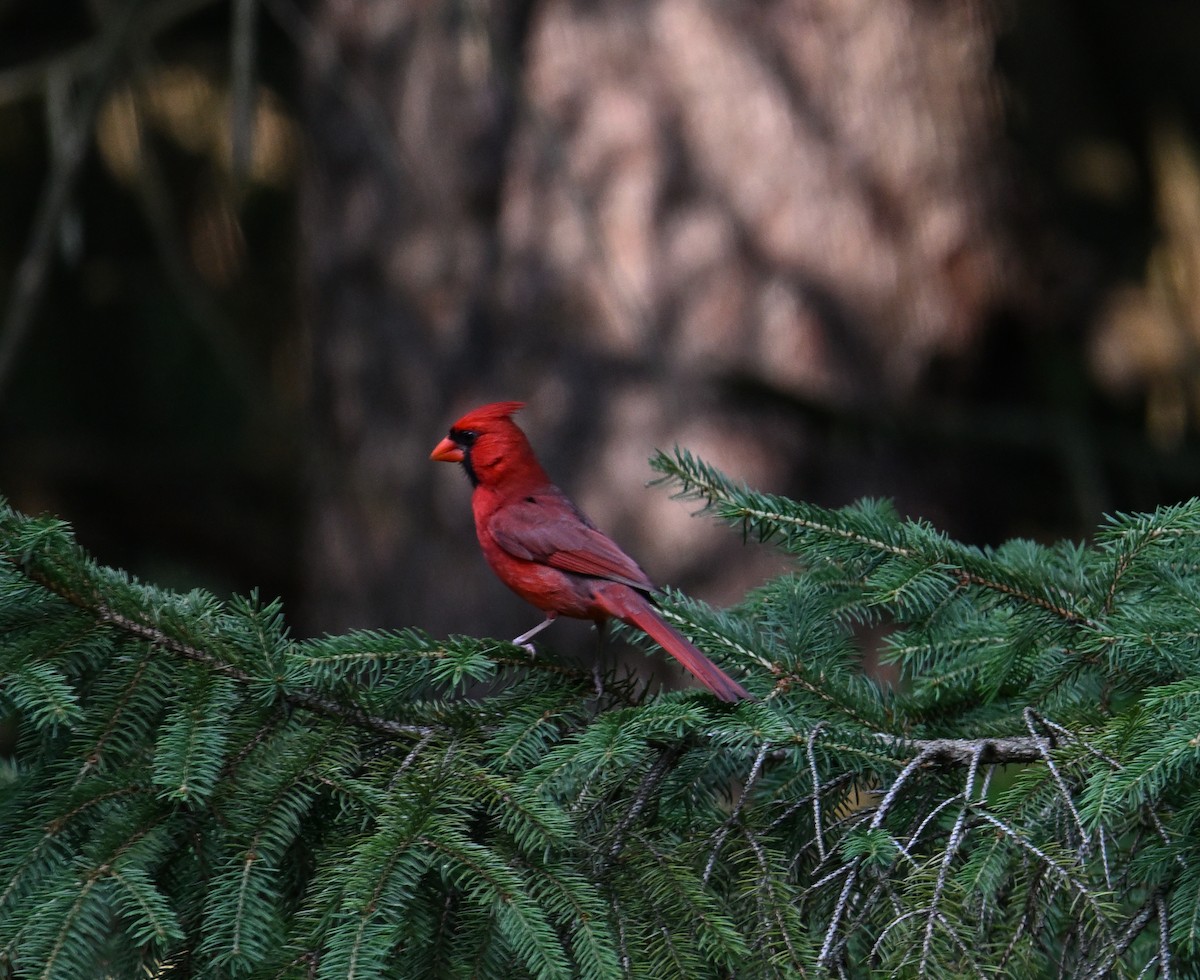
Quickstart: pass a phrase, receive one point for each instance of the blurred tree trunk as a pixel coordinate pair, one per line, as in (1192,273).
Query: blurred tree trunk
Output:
(656,223)
(408,119)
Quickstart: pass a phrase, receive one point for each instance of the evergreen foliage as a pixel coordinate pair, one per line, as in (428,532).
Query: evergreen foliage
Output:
(192,790)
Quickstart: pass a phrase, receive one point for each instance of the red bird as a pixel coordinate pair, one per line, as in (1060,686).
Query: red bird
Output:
(543,548)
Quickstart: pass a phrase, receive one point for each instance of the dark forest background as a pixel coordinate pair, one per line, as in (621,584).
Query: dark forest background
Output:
(256,255)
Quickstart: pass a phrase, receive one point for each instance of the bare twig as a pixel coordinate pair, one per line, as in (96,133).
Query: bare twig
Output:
(897,784)
(1133,928)
(1164,837)
(839,910)
(654,775)
(1021,929)
(242,101)
(622,942)
(1045,859)
(964,751)
(33,273)
(886,930)
(410,759)
(816,793)
(966,952)
(389,151)
(774,903)
(929,819)
(728,824)
(834,784)
(1101,838)
(952,844)
(29,79)
(214,326)
(1051,725)
(1164,936)
(1031,718)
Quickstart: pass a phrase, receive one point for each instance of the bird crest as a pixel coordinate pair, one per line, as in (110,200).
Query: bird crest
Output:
(495,412)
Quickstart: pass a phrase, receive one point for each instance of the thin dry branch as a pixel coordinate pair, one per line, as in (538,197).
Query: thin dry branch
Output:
(242,56)
(734,816)
(1102,967)
(29,79)
(33,273)
(645,791)
(1016,749)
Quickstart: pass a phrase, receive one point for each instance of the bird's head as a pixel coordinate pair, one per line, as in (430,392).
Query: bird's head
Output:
(490,446)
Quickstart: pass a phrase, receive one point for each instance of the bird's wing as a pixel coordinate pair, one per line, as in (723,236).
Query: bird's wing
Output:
(549,529)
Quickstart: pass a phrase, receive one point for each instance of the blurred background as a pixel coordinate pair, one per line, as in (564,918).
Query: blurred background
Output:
(257,255)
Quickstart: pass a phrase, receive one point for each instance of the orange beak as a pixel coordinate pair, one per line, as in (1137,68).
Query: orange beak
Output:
(447,451)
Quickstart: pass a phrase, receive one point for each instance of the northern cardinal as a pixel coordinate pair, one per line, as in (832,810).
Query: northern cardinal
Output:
(543,548)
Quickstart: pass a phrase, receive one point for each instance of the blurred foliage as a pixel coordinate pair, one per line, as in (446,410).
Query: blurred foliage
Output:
(156,394)
(155,391)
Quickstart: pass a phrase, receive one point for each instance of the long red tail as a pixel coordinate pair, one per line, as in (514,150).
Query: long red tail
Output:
(638,612)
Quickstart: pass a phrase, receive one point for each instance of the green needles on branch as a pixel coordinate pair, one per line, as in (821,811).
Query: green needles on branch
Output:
(184,786)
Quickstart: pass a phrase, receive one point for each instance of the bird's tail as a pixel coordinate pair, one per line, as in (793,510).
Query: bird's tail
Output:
(641,614)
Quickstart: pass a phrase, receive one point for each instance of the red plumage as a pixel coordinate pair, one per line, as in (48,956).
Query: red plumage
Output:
(543,547)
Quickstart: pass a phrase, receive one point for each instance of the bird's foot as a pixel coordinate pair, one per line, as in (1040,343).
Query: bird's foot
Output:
(524,638)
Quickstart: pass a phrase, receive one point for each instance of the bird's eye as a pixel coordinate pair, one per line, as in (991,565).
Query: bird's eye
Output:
(464,437)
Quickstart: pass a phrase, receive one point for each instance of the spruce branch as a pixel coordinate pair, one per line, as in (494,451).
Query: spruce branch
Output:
(776,517)
(1024,800)
(89,598)
(305,700)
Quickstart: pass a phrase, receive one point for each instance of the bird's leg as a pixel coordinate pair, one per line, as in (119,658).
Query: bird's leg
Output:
(598,663)
(524,638)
